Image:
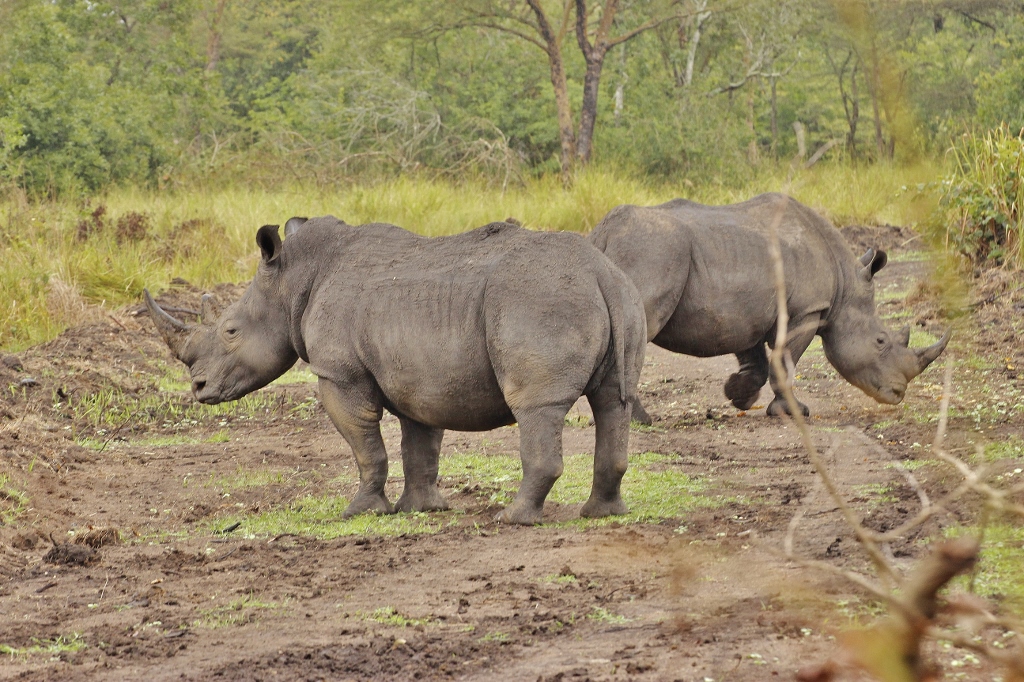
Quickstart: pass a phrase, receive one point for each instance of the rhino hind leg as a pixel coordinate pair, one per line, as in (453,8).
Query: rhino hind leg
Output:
(743,387)
(611,420)
(639,414)
(779,406)
(540,446)
(357,418)
(421,448)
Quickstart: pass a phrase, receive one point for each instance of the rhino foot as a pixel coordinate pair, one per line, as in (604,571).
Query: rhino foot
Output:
(421,500)
(524,515)
(779,407)
(743,389)
(640,414)
(368,502)
(596,508)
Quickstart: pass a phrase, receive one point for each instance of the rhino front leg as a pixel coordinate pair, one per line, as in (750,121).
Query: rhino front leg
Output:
(802,332)
(743,387)
(421,448)
(356,415)
(540,446)
(611,419)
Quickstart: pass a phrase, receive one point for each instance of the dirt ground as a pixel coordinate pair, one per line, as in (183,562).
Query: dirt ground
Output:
(161,595)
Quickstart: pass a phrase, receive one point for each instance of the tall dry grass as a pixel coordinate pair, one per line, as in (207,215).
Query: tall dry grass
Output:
(102,251)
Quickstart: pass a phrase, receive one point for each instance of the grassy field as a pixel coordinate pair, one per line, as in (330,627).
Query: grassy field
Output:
(69,261)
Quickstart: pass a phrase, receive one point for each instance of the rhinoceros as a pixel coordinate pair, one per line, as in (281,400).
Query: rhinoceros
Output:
(708,285)
(467,332)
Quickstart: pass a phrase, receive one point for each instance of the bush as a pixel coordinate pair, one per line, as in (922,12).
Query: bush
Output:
(983,198)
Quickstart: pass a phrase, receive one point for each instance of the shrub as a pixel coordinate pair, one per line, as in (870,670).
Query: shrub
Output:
(983,198)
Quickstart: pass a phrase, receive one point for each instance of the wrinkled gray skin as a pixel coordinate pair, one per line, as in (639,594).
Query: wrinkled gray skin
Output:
(469,332)
(708,285)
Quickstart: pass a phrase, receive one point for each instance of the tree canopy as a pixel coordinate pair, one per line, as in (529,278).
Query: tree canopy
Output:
(95,92)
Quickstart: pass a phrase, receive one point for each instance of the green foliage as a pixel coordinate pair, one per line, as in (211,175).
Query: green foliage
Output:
(984,195)
(95,94)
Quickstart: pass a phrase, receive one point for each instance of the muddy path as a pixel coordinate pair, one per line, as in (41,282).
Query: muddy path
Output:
(227,559)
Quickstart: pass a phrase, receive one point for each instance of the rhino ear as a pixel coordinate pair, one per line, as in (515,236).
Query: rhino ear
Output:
(210,311)
(269,242)
(873,261)
(292,226)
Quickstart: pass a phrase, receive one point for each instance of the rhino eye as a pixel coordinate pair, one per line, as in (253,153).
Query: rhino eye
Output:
(880,340)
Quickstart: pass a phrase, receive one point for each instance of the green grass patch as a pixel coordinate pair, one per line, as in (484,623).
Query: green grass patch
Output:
(560,579)
(388,615)
(161,441)
(297,375)
(876,493)
(61,644)
(1007,449)
(578,421)
(320,516)
(238,612)
(111,408)
(13,502)
(1000,572)
(245,479)
(602,615)
(651,488)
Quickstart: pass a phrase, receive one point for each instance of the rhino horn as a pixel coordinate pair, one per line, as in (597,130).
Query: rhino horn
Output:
(175,332)
(903,336)
(209,310)
(925,356)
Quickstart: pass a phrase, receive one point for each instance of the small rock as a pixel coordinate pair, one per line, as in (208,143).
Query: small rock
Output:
(27,382)
(23,542)
(834,549)
(73,555)
(12,362)
(98,537)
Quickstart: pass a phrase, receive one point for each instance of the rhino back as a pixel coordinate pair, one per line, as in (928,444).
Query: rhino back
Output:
(446,326)
(705,273)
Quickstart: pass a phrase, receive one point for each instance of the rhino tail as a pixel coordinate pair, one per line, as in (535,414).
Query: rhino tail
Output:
(615,294)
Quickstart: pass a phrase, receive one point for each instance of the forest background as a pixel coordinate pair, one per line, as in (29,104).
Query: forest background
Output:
(142,140)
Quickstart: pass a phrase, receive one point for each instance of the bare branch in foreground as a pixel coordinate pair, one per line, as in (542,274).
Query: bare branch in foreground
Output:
(892,648)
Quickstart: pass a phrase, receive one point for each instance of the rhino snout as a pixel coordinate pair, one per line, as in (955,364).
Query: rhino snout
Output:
(891,396)
(204,393)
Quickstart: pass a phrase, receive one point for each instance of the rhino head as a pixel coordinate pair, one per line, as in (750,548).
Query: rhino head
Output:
(245,348)
(869,356)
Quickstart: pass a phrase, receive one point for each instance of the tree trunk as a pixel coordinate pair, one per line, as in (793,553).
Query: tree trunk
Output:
(588,109)
(691,54)
(553,45)
(875,86)
(213,42)
(751,120)
(801,139)
(853,117)
(775,120)
(593,54)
